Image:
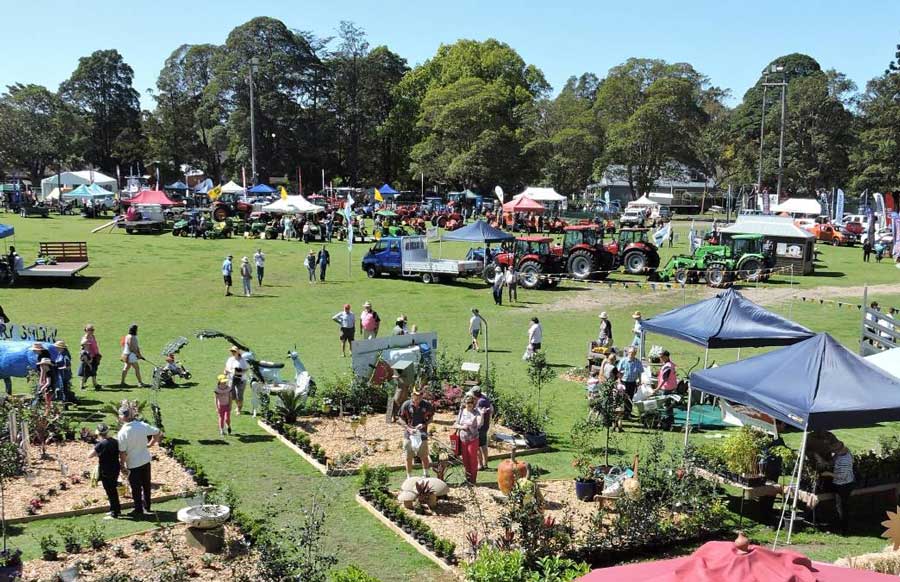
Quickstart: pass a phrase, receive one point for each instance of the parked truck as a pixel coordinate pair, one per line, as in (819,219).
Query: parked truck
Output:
(408,256)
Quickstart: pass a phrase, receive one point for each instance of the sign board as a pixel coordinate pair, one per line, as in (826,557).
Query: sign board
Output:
(789,250)
(367,352)
(28,332)
(431,232)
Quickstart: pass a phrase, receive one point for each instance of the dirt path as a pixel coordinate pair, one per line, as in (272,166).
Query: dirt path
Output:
(601,296)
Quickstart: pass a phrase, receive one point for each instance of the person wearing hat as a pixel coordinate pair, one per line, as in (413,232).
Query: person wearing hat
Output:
(347,320)
(246,275)
(227,267)
(236,371)
(844,482)
(45,381)
(638,328)
(108,467)
(497,286)
(630,371)
(135,457)
(369,322)
(415,415)
(223,396)
(90,357)
(310,263)
(63,364)
(260,260)
(400,325)
(605,336)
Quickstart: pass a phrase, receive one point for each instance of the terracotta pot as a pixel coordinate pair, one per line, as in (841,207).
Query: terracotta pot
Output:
(509,471)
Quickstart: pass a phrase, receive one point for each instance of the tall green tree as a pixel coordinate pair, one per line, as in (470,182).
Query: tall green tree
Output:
(472,104)
(101,90)
(36,130)
(567,136)
(651,112)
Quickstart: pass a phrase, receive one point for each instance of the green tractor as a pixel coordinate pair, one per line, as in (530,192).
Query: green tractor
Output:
(740,257)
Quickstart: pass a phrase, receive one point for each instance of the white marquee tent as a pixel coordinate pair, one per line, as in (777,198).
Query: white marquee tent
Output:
(888,360)
(232,188)
(541,194)
(799,206)
(75,179)
(292,205)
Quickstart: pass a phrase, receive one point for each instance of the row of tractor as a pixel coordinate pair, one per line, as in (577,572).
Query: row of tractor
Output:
(739,258)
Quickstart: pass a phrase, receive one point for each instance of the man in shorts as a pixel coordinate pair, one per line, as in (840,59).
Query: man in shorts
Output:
(237,369)
(474,330)
(347,320)
(226,274)
(415,415)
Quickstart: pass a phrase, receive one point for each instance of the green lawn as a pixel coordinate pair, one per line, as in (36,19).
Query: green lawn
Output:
(171,287)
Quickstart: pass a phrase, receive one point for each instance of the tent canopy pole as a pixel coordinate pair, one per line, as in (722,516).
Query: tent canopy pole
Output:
(797,484)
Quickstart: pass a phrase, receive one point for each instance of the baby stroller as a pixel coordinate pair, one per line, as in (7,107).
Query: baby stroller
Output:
(164,376)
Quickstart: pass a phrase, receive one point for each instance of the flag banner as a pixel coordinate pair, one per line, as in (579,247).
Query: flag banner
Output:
(895,230)
(879,209)
(284,193)
(766,202)
(214,193)
(244,177)
(606,199)
(378,196)
(348,216)
(839,206)
(692,239)
(662,234)
(871,229)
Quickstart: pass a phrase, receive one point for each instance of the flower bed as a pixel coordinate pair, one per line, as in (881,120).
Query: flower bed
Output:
(161,554)
(60,482)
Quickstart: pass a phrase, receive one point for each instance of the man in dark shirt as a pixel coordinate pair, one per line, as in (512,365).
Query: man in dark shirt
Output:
(107,453)
(415,415)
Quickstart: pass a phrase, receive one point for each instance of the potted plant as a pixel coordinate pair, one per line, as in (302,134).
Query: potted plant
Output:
(584,435)
(10,564)
(49,548)
(742,452)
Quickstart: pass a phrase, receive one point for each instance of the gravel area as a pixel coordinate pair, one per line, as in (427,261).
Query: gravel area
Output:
(149,557)
(69,463)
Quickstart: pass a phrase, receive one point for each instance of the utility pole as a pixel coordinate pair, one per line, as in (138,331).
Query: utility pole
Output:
(781,141)
(254,63)
(762,133)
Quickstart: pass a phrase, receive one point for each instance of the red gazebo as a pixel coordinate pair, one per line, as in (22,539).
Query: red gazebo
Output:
(523,204)
(151,197)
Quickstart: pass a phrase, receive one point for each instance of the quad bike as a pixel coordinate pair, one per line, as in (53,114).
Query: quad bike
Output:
(266,375)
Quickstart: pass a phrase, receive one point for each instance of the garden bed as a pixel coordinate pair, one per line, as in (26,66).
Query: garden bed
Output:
(333,443)
(60,483)
(151,556)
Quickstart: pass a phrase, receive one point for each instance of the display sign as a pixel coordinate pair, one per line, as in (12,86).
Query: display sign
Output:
(792,251)
(27,332)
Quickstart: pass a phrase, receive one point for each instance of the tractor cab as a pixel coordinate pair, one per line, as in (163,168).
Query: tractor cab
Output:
(534,259)
(590,235)
(634,249)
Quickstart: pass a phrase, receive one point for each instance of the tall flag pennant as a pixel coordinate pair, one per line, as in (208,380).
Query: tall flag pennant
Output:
(157,178)
(378,196)
(214,193)
(244,177)
(348,216)
(284,193)
(895,231)
(692,238)
(839,205)
(879,208)
(662,235)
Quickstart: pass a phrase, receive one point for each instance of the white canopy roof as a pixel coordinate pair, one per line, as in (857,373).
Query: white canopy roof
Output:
(541,194)
(888,360)
(292,205)
(76,179)
(232,188)
(663,198)
(767,225)
(799,206)
(643,201)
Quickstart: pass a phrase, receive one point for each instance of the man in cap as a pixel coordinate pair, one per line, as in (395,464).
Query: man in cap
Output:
(415,415)
(605,336)
(135,458)
(107,452)
(227,268)
(347,320)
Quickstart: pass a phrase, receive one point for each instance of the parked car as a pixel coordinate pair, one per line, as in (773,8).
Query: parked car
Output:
(828,233)
(632,217)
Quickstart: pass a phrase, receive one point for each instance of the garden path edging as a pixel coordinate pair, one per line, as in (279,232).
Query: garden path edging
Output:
(98,509)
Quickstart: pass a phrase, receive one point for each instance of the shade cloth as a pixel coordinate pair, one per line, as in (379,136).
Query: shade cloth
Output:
(88,192)
(541,194)
(888,360)
(479,231)
(815,384)
(151,197)
(292,205)
(727,320)
(6,230)
(76,179)
(524,205)
(799,206)
(261,189)
(203,187)
(232,188)
(179,185)
(722,562)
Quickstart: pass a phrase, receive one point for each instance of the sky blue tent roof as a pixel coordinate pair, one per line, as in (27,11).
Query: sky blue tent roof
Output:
(727,320)
(88,191)
(386,189)
(814,384)
(479,231)
(179,185)
(204,186)
(6,230)
(261,189)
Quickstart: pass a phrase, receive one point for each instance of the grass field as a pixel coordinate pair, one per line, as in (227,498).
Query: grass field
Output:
(172,287)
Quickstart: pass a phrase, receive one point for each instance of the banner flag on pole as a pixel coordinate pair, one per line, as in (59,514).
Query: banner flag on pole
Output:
(284,193)
(839,205)
(692,238)
(244,178)
(378,196)
(662,234)
(348,216)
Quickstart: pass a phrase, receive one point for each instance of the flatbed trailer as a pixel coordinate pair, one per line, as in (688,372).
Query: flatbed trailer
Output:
(408,256)
(70,257)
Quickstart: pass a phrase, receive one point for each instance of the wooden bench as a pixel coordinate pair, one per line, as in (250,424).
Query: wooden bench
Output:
(65,252)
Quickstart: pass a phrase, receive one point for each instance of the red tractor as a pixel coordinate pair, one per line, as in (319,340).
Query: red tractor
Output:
(534,259)
(583,253)
(635,251)
(229,204)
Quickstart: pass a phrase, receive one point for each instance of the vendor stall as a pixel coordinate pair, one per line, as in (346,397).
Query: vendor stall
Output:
(793,246)
(816,384)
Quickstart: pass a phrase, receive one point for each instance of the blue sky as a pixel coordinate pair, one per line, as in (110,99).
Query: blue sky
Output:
(728,40)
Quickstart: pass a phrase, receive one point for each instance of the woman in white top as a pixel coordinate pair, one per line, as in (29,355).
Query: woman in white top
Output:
(535,338)
(236,368)
(131,354)
(512,284)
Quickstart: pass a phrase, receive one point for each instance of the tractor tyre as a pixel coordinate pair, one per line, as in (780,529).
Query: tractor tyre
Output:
(682,276)
(530,274)
(751,270)
(490,271)
(718,276)
(582,264)
(220,214)
(636,262)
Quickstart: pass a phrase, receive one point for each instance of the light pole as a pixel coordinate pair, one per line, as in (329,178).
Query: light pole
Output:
(254,64)
(762,126)
(487,358)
